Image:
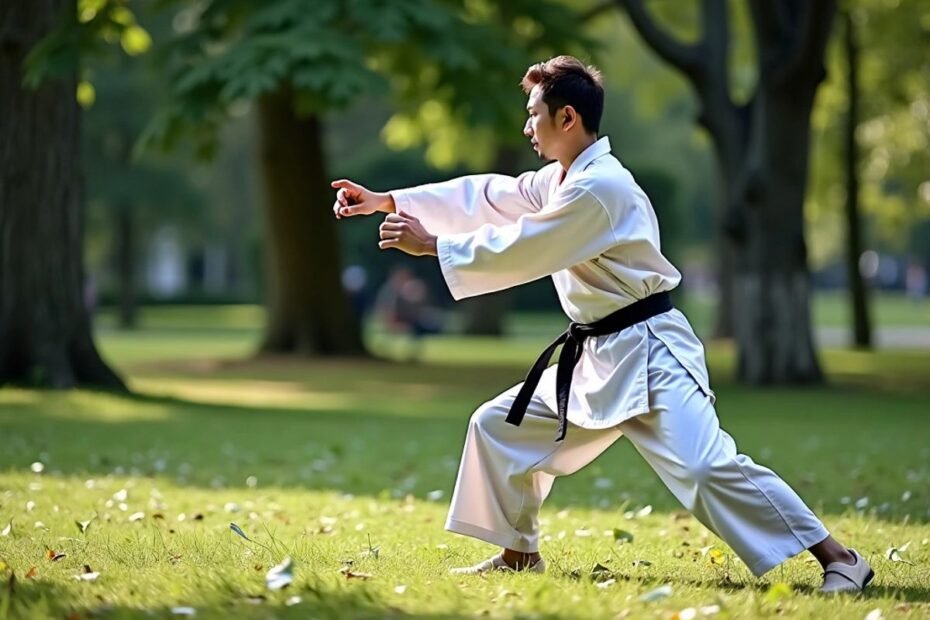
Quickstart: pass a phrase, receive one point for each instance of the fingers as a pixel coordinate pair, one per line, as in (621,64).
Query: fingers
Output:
(399,217)
(386,244)
(344,211)
(344,184)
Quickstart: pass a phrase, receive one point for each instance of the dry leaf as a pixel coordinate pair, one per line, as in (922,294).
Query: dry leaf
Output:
(294,600)
(136,516)
(658,594)
(32,573)
(875,614)
(238,530)
(280,576)
(183,611)
(83,525)
(622,536)
(53,555)
(350,574)
(8,529)
(400,589)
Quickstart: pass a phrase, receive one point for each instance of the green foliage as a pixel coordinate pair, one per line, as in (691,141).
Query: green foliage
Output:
(893,131)
(464,58)
(97,25)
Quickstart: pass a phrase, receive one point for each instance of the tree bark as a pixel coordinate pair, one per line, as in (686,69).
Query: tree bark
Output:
(126,265)
(762,155)
(772,292)
(308,313)
(45,331)
(858,296)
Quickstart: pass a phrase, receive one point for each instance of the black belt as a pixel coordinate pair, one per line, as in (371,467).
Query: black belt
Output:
(573,339)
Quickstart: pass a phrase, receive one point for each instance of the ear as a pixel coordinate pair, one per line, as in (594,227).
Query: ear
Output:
(569,117)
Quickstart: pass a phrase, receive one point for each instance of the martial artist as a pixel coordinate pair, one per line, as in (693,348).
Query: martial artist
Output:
(630,363)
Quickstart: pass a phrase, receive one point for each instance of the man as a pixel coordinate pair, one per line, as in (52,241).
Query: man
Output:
(630,364)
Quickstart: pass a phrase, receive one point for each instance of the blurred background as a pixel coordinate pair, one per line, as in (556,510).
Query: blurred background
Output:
(784,147)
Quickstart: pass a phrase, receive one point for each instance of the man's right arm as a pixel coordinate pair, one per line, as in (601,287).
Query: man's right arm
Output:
(466,203)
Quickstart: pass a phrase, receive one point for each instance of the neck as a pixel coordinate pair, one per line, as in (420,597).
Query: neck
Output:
(576,149)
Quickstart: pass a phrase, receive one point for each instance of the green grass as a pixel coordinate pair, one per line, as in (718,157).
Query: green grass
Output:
(314,459)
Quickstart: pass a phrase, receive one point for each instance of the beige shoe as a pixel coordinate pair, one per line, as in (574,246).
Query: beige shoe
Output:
(497,563)
(841,577)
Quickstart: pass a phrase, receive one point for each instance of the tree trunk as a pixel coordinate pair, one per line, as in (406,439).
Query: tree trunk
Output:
(126,265)
(45,331)
(862,329)
(308,313)
(772,282)
(485,315)
(762,151)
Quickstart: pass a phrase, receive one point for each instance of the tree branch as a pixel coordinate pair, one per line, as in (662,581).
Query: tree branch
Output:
(683,57)
(597,10)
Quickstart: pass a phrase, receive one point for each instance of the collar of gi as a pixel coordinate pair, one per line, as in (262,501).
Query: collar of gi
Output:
(598,149)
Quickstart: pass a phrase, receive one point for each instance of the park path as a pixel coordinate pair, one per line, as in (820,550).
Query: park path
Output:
(909,337)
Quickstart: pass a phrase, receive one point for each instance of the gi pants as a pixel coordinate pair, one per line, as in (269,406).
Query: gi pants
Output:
(507,471)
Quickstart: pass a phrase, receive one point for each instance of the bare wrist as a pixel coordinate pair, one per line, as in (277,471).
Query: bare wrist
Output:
(389,205)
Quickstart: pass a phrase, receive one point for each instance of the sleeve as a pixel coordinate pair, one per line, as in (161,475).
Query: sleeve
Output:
(573,229)
(465,203)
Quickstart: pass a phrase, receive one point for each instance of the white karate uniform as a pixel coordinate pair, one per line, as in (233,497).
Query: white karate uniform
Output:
(594,231)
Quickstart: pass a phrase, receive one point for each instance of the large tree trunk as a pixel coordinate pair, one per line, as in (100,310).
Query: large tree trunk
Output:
(45,332)
(308,313)
(862,328)
(126,265)
(762,152)
(772,294)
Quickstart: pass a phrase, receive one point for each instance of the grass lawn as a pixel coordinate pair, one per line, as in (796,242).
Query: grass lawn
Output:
(346,467)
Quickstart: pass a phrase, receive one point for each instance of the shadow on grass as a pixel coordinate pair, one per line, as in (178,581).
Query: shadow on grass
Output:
(385,430)
(36,599)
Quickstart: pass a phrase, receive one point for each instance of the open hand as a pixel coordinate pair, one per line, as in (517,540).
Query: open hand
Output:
(353,199)
(407,234)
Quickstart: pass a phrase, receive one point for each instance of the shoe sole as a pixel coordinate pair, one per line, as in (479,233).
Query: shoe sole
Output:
(868,578)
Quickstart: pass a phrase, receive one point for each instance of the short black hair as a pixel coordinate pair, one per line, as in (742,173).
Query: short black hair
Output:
(565,80)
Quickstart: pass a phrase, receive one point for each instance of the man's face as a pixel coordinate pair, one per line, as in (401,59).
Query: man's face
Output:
(540,127)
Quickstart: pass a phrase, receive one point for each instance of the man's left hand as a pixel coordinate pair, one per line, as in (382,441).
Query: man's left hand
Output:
(407,234)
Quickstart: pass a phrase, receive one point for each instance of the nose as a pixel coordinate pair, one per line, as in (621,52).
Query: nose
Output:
(528,129)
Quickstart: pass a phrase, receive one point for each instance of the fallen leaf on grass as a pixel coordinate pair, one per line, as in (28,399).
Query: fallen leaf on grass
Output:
(622,536)
(658,594)
(605,584)
(280,576)
(894,553)
(54,556)
(8,529)
(238,530)
(716,556)
(875,614)
(350,574)
(642,563)
(88,575)
(32,573)
(136,516)
(183,611)
(83,526)
(400,589)
(778,591)
(294,600)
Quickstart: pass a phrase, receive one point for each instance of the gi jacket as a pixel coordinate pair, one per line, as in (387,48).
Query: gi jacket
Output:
(595,232)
